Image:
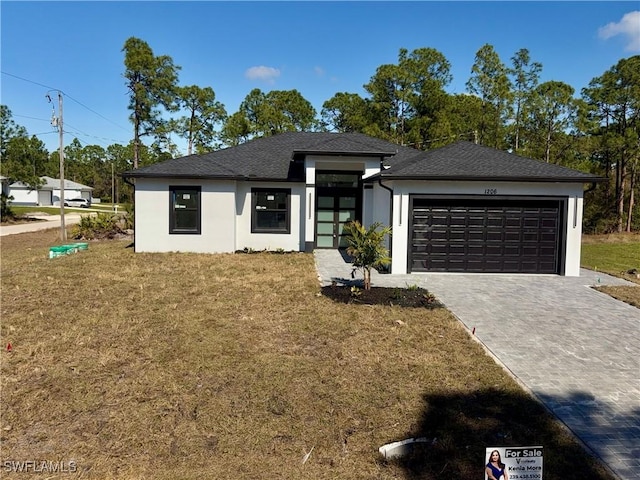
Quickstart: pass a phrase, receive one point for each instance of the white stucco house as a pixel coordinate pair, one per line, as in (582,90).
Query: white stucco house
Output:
(460,208)
(4,185)
(48,193)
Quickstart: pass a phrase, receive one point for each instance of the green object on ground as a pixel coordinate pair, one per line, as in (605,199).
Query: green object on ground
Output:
(71,248)
(57,251)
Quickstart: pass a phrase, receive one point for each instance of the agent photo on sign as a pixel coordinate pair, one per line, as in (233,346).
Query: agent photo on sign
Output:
(495,469)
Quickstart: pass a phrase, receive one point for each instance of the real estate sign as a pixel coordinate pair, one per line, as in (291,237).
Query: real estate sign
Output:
(513,463)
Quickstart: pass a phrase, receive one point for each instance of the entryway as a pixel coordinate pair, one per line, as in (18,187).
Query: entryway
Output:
(338,202)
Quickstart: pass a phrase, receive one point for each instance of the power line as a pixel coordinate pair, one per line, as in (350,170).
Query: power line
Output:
(43,133)
(76,131)
(68,96)
(27,80)
(31,118)
(101,116)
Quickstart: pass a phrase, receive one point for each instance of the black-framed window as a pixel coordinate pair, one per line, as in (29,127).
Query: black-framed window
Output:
(184,209)
(270,210)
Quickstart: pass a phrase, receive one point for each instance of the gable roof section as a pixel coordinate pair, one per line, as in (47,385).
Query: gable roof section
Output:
(53,184)
(468,161)
(272,158)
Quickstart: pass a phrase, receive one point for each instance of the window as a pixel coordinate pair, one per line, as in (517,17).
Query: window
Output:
(270,210)
(184,210)
(337,179)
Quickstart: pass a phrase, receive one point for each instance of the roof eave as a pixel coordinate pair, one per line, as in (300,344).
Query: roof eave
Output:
(450,178)
(211,177)
(180,175)
(344,154)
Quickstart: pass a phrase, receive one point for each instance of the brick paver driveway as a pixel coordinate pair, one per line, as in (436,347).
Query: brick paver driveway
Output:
(576,349)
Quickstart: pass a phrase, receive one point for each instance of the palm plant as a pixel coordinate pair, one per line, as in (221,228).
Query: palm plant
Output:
(366,246)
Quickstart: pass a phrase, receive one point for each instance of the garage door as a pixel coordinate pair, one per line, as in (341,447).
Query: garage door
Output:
(485,235)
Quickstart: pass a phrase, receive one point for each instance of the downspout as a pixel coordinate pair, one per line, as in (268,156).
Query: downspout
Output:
(390,190)
(591,188)
(128,182)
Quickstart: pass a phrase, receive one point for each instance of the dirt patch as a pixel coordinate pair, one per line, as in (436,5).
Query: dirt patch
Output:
(401,297)
(627,294)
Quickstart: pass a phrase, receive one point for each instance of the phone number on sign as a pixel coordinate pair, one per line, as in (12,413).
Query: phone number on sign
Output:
(524,476)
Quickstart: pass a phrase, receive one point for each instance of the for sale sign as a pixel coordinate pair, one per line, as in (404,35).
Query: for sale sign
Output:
(513,463)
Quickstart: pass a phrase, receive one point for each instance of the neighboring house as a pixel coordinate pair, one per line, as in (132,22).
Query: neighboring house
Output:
(48,193)
(4,185)
(460,208)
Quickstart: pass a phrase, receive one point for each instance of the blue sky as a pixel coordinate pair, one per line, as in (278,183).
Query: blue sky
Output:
(318,48)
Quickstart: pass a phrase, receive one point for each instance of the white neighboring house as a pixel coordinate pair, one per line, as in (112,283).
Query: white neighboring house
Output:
(4,184)
(48,193)
(460,208)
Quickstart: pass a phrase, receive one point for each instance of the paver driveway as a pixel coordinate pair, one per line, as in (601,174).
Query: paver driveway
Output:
(576,349)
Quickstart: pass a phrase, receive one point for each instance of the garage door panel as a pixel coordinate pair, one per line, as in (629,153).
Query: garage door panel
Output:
(510,236)
(520,235)
(512,251)
(546,251)
(476,235)
(439,249)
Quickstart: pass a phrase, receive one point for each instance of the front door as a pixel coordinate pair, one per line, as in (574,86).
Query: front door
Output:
(333,211)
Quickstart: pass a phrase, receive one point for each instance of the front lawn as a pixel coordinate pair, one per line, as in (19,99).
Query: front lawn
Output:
(237,366)
(617,255)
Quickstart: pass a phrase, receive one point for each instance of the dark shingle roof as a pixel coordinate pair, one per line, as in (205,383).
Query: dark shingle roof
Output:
(272,158)
(468,161)
(279,158)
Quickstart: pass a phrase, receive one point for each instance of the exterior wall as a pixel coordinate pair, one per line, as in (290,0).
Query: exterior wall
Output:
(218,212)
(293,241)
(573,214)
(23,196)
(69,194)
(47,194)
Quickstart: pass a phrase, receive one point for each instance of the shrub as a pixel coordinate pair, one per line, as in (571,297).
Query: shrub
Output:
(129,217)
(366,246)
(5,207)
(102,225)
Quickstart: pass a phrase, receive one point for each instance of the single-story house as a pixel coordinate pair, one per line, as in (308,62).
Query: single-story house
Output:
(4,185)
(460,208)
(48,193)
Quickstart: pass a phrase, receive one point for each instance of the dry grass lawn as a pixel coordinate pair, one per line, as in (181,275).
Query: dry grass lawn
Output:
(164,366)
(618,255)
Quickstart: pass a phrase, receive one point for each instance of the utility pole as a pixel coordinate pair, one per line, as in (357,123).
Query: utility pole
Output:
(57,123)
(113,188)
(63,230)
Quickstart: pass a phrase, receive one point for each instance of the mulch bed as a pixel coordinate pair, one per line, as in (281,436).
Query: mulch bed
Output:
(402,297)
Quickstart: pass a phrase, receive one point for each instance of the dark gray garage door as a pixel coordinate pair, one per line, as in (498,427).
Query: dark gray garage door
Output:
(485,235)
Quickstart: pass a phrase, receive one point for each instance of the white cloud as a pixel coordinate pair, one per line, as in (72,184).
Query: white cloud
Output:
(628,27)
(319,71)
(266,74)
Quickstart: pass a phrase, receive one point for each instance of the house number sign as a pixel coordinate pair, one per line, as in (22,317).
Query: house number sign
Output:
(490,191)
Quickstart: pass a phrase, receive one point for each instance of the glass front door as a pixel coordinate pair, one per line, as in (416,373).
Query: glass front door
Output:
(334,211)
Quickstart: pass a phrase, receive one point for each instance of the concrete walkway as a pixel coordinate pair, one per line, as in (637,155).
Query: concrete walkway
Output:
(46,222)
(574,348)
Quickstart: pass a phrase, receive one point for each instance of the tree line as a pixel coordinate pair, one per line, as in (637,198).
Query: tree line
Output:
(505,106)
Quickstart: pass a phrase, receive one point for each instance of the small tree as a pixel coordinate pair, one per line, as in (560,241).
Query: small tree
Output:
(5,207)
(366,246)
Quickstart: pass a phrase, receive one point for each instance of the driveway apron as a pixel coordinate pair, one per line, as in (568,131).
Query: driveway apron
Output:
(576,349)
